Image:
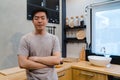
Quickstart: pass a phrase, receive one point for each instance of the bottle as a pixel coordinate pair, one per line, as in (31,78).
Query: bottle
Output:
(43,3)
(57,7)
(77,21)
(67,21)
(81,21)
(71,22)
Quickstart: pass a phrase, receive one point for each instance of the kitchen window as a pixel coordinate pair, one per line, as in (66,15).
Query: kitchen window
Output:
(105,36)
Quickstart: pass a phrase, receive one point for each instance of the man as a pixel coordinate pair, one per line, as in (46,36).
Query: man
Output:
(39,50)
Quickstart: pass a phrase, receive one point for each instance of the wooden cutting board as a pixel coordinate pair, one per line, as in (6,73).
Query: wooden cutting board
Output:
(70,59)
(11,71)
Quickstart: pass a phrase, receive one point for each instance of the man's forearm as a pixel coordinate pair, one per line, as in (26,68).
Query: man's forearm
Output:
(33,65)
(49,60)
(25,63)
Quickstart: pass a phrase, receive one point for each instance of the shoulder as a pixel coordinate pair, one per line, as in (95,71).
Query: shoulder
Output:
(27,36)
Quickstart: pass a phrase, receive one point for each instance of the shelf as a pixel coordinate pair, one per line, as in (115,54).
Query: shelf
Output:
(75,40)
(75,27)
(53,14)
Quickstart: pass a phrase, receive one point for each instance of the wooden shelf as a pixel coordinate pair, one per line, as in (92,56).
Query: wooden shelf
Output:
(75,27)
(75,40)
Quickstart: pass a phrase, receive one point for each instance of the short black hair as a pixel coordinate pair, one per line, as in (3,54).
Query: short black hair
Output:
(39,10)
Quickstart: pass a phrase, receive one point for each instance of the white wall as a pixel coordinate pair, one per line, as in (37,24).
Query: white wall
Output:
(13,24)
(75,8)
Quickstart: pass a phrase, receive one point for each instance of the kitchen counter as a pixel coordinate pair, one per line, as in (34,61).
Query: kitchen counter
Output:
(65,66)
(15,73)
(9,71)
(113,70)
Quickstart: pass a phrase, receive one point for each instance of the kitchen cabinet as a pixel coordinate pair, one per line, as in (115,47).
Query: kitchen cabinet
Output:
(65,74)
(78,74)
(52,6)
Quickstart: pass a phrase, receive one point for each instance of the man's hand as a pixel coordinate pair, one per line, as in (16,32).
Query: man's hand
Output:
(26,63)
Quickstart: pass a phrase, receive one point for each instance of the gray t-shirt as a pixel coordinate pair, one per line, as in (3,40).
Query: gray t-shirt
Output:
(37,45)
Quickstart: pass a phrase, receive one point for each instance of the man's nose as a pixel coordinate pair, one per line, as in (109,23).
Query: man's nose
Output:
(39,20)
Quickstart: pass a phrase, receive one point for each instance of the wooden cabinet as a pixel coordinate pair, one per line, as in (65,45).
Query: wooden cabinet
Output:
(65,74)
(78,74)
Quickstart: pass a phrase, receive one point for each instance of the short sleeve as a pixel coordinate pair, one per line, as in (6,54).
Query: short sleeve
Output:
(56,46)
(23,47)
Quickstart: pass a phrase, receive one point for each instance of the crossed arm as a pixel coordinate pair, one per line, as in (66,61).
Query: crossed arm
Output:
(49,60)
(38,62)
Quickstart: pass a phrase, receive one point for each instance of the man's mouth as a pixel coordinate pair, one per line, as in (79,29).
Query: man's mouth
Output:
(40,25)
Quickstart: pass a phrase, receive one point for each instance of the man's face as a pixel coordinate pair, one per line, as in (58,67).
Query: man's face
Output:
(40,21)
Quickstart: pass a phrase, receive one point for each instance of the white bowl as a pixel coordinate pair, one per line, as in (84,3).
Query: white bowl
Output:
(99,60)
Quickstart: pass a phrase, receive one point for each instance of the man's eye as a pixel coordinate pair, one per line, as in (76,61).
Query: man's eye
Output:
(36,18)
(43,18)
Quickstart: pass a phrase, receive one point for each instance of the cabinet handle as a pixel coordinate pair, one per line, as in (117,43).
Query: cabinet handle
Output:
(63,74)
(87,73)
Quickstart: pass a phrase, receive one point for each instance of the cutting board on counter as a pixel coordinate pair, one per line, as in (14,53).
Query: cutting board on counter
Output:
(70,59)
(11,71)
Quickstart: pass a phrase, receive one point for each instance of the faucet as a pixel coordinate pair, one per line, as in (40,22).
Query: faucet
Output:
(103,49)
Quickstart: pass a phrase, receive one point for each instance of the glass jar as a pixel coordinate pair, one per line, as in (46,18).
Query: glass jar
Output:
(77,21)
(71,22)
(67,21)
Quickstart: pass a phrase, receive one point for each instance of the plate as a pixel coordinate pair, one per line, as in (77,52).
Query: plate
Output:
(80,34)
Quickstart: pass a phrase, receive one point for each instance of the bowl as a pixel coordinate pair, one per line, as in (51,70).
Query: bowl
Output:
(99,60)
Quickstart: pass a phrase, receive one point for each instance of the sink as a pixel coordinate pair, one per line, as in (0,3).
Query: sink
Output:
(100,60)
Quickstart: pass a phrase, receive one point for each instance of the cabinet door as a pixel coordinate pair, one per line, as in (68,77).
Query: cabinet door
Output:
(87,75)
(65,75)
(61,75)
(68,74)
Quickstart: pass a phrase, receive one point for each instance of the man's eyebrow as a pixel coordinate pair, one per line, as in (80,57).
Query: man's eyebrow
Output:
(40,16)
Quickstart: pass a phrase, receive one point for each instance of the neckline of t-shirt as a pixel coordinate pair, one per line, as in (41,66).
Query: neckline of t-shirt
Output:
(40,35)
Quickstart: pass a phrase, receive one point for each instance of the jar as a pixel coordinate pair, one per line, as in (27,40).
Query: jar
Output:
(71,22)
(77,21)
(67,21)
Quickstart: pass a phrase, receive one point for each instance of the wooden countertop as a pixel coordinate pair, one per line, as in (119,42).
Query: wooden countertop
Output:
(65,66)
(13,70)
(15,73)
(113,70)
